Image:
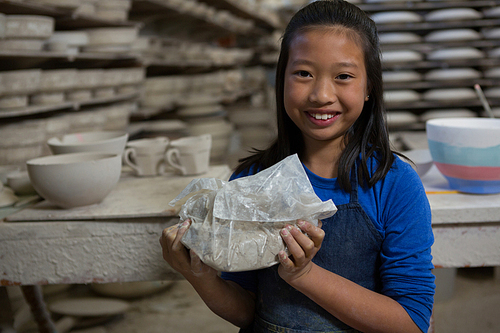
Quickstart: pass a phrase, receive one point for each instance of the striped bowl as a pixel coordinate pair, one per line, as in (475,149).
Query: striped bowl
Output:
(467,152)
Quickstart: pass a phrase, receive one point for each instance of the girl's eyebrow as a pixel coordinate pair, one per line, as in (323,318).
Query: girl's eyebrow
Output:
(337,64)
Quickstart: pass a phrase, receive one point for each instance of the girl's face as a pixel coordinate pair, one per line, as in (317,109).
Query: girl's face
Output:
(325,84)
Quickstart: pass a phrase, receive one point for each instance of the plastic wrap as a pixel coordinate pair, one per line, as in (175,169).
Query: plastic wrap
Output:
(236,225)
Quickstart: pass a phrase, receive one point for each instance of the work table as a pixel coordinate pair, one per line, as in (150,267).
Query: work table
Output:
(117,241)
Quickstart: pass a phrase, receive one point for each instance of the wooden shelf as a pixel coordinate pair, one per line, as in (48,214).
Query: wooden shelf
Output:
(37,109)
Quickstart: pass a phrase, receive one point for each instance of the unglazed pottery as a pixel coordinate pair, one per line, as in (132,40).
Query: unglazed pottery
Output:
(146,156)
(467,152)
(29,26)
(74,180)
(422,160)
(190,155)
(98,141)
(20,183)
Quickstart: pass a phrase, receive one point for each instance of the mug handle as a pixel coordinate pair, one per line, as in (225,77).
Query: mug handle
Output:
(172,157)
(128,156)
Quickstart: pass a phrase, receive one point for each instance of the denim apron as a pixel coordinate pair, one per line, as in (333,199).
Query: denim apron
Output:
(350,249)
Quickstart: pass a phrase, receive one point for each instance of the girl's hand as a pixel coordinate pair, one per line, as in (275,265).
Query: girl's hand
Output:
(302,247)
(177,255)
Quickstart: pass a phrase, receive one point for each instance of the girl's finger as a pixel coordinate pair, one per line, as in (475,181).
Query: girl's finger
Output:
(176,244)
(316,234)
(295,249)
(285,261)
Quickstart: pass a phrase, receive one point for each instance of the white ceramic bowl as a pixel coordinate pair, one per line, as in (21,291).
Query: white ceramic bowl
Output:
(100,141)
(20,183)
(422,160)
(467,152)
(74,180)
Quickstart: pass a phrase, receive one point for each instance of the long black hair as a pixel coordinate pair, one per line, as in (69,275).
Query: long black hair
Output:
(369,133)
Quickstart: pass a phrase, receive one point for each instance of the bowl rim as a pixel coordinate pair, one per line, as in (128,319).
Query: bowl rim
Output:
(61,159)
(56,141)
(465,122)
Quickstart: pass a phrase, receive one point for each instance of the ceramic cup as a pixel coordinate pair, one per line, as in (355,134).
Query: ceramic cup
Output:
(190,155)
(146,156)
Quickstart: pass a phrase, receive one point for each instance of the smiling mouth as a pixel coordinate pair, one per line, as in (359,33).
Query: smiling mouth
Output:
(322,116)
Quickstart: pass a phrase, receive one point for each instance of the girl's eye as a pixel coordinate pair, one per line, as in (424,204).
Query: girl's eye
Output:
(344,76)
(303,73)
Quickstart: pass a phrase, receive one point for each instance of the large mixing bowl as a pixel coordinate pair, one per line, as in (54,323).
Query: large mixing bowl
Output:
(467,152)
(74,180)
(99,141)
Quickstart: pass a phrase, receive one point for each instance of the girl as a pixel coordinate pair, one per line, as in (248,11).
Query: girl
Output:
(368,267)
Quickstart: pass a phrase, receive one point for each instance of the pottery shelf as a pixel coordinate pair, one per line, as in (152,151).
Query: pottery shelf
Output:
(411,5)
(66,56)
(182,24)
(430,46)
(267,20)
(65,18)
(417,85)
(485,63)
(428,26)
(440,104)
(38,109)
(149,112)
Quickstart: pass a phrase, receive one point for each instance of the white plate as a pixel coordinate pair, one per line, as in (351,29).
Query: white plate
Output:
(399,37)
(401,56)
(493,72)
(447,113)
(456,53)
(492,12)
(452,35)
(401,118)
(493,33)
(399,96)
(492,92)
(401,76)
(495,53)
(453,14)
(396,17)
(449,94)
(452,74)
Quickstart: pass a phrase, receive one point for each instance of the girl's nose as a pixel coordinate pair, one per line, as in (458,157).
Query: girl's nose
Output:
(323,93)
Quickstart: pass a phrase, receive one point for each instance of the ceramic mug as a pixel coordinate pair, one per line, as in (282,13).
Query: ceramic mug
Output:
(190,155)
(146,156)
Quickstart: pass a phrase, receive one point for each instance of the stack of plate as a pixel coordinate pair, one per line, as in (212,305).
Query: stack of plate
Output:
(395,17)
(401,56)
(456,53)
(401,119)
(449,35)
(452,74)
(447,113)
(453,14)
(449,94)
(392,97)
(25,32)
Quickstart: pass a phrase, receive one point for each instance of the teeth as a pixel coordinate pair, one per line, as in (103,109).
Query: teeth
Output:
(323,116)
